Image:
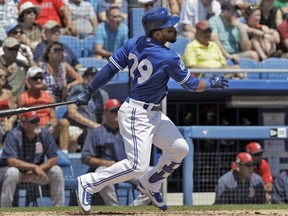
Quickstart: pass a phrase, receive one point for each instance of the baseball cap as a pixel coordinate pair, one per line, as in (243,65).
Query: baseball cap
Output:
(90,71)
(9,28)
(32,71)
(28,5)
(244,158)
(10,42)
(29,116)
(50,24)
(253,148)
(227,5)
(112,105)
(203,25)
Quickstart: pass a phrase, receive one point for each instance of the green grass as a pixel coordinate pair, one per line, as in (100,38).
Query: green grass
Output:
(149,208)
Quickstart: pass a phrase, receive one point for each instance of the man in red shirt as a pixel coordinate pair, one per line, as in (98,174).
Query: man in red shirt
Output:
(262,167)
(53,10)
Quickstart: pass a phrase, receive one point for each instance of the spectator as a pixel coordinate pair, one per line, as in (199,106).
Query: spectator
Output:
(243,4)
(270,15)
(103,147)
(202,52)
(54,10)
(58,75)
(52,34)
(9,14)
(111,34)
(25,53)
(283,32)
(242,185)
(261,167)
(35,96)
(280,189)
(104,5)
(6,102)
(84,118)
(83,17)
(264,40)
(194,11)
(25,148)
(27,18)
(146,4)
(16,69)
(175,6)
(230,35)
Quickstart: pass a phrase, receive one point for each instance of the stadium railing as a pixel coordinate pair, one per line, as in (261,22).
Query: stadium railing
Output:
(220,132)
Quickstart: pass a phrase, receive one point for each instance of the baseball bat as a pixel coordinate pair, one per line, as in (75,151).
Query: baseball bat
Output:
(10,112)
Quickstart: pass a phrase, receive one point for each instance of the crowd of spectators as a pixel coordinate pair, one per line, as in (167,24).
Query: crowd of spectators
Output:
(37,69)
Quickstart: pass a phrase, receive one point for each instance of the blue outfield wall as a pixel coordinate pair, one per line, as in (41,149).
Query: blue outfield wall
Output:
(220,132)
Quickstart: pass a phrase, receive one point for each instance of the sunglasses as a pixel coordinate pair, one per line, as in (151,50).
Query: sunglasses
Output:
(247,165)
(30,11)
(2,76)
(114,110)
(58,50)
(34,121)
(18,32)
(55,30)
(206,31)
(36,78)
(14,49)
(258,154)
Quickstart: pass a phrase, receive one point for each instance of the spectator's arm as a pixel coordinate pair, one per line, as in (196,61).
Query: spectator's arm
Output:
(189,31)
(215,38)
(66,14)
(175,6)
(95,162)
(285,43)
(77,79)
(21,165)
(47,165)
(94,22)
(53,118)
(245,43)
(99,50)
(76,116)
(279,17)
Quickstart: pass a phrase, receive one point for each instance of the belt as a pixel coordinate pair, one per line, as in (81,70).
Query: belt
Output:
(143,105)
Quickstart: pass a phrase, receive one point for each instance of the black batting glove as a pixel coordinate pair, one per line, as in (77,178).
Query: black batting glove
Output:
(83,98)
(218,81)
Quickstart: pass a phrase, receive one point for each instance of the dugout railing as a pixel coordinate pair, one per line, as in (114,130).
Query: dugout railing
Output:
(220,132)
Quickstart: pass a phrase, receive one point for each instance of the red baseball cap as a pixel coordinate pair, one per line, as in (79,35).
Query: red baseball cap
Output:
(29,116)
(244,158)
(112,104)
(253,147)
(203,25)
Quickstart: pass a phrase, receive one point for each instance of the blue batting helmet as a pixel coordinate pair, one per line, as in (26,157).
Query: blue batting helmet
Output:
(158,18)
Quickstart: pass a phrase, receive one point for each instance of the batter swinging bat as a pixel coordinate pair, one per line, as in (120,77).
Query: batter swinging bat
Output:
(10,112)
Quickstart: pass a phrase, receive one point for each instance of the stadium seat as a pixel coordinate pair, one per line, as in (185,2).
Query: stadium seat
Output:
(276,63)
(74,44)
(61,111)
(88,46)
(246,63)
(124,190)
(180,45)
(92,62)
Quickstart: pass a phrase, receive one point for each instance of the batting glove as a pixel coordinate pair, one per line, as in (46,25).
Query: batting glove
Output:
(218,81)
(83,98)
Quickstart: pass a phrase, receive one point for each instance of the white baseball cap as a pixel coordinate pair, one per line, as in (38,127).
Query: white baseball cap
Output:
(145,1)
(28,5)
(32,71)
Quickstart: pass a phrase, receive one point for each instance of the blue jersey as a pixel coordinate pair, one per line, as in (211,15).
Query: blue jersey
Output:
(151,64)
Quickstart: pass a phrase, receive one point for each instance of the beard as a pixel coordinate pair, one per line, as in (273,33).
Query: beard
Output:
(174,39)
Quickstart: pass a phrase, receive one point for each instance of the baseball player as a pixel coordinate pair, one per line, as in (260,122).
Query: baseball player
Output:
(141,122)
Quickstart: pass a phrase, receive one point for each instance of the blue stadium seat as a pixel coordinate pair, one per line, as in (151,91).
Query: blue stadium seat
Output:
(180,45)
(246,63)
(88,46)
(92,62)
(60,111)
(276,63)
(74,44)
(135,25)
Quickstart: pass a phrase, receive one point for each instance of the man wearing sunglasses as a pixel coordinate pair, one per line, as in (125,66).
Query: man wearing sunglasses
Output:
(16,69)
(25,148)
(103,147)
(36,96)
(242,185)
(202,52)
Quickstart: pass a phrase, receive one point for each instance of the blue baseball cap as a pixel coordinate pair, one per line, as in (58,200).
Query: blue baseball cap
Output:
(11,27)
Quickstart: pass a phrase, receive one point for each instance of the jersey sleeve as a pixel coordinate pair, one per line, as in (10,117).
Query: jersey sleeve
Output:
(265,172)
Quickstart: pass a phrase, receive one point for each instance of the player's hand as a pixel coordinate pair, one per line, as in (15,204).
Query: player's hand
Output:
(83,98)
(218,81)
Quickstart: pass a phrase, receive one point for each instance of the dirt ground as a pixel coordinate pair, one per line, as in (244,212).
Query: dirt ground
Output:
(143,213)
